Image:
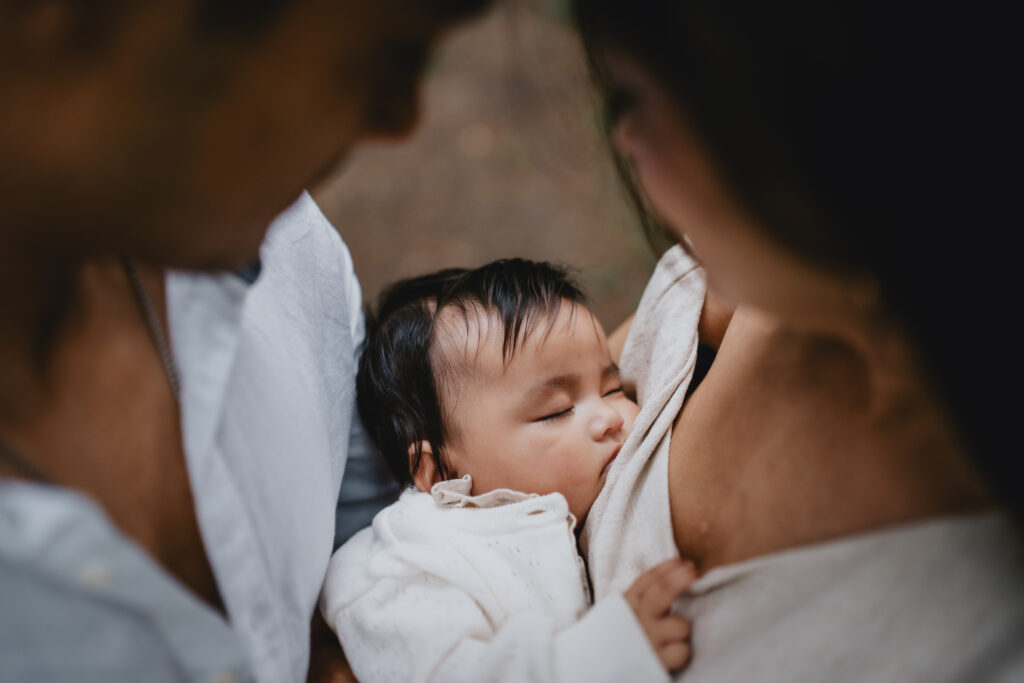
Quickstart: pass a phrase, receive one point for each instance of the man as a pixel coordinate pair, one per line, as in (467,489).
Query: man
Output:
(176,383)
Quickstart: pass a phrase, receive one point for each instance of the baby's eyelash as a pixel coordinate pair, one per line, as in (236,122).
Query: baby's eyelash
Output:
(570,410)
(555,416)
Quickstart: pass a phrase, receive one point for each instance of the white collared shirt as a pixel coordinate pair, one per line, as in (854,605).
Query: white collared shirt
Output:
(269,427)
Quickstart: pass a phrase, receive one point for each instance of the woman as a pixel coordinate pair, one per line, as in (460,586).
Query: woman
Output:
(843,476)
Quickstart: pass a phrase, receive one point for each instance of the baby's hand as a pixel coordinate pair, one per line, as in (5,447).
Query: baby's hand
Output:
(651,596)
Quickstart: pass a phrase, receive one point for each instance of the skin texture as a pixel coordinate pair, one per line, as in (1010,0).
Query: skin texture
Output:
(175,148)
(815,421)
(551,419)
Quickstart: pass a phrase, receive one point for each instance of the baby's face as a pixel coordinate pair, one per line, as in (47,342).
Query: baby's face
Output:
(553,419)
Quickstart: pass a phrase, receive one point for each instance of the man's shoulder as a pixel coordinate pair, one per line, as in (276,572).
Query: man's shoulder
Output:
(302,243)
(302,225)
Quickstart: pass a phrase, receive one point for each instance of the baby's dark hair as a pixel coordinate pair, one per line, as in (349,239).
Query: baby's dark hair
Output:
(405,380)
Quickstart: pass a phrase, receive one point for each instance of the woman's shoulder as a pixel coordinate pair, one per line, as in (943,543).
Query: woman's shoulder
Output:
(786,440)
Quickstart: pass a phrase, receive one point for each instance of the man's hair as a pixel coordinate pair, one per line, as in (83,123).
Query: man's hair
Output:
(405,379)
(94,21)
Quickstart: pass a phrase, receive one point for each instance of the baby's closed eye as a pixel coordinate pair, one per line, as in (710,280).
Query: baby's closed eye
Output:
(557,414)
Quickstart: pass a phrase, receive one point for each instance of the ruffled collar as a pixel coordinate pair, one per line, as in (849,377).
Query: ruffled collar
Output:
(455,493)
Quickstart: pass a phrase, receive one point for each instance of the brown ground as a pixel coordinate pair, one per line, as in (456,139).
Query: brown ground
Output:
(508,161)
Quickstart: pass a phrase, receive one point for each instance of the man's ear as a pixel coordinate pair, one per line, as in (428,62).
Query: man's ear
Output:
(427,474)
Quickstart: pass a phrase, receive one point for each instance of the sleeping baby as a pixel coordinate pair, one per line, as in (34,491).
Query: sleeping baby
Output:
(492,396)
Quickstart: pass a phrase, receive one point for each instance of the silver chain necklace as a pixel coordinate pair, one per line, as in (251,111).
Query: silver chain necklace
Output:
(156,331)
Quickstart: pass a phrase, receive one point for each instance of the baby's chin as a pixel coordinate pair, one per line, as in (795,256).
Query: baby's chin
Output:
(581,509)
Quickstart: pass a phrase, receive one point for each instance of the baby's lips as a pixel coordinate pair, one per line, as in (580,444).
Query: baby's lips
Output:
(615,454)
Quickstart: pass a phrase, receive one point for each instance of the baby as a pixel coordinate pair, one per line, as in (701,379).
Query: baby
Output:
(493,397)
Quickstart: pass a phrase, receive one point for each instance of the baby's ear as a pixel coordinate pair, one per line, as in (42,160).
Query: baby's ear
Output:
(427,474)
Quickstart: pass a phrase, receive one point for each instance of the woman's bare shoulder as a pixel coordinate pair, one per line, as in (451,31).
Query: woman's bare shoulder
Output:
(757,451)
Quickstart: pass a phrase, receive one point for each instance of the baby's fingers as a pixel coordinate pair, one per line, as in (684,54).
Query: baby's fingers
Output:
(661,593)
(674,655)
(650,577)
(670,629)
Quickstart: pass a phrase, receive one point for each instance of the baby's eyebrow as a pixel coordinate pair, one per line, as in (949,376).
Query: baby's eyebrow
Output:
(567,381)
(552,384)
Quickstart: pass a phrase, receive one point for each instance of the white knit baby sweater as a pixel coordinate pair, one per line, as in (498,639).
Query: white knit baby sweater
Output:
(451,587)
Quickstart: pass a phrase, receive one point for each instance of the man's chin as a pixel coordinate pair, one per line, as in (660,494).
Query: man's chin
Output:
(230,260)
(239,254)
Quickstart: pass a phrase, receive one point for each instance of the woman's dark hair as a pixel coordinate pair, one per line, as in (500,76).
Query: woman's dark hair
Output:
(872,138)
(404,379)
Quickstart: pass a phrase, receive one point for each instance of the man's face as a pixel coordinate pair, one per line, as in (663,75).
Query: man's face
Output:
(177,146)
(552,419)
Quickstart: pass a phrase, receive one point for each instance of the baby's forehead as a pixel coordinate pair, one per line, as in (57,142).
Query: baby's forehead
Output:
(473,339)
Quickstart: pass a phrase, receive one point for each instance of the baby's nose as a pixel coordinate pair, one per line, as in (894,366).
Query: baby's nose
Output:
(606,422)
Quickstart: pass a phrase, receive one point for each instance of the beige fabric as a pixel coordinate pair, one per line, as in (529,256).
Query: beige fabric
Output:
(941,600)
(938,600)
(457,493)
(628,529)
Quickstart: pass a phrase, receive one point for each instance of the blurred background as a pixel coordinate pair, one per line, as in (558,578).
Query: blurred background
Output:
(509,160)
